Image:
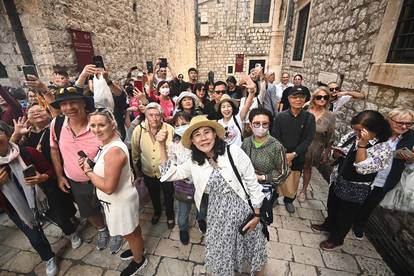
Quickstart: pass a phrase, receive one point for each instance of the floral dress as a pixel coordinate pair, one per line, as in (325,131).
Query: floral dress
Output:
(226,248)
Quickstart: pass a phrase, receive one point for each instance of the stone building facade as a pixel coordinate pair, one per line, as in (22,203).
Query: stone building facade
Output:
(227,28)
(348,42)
(125,32)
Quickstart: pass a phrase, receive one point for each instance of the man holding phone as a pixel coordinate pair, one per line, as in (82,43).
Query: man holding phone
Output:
(73,136)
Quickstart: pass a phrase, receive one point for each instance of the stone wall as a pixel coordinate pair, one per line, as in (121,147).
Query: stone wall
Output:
(231,32)
(122,36)
(341,39)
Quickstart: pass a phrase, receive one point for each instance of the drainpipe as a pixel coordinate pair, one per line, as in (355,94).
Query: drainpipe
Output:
(17,28)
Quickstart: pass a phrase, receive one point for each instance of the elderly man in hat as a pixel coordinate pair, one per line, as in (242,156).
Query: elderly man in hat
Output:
(146,158)
(295,129)
(70,135)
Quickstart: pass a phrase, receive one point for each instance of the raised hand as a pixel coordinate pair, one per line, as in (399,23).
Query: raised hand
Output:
(21,126)
(162,134)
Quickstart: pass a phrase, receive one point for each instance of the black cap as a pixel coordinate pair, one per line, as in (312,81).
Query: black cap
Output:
(297,90)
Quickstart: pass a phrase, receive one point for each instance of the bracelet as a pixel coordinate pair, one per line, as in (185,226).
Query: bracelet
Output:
(361,147)
(256,215)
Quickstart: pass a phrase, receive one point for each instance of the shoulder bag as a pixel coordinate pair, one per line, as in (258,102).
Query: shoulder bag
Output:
(251,215)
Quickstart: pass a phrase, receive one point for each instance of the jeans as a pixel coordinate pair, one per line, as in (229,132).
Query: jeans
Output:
(36,237)
(184,209)
(154,188)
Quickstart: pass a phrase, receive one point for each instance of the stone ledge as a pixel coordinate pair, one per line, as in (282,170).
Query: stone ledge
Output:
(397,75)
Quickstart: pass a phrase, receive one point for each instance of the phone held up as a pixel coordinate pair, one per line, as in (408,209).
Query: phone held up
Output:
(29,171)
(150,67)
(29,70)
(163,62)
(98,61)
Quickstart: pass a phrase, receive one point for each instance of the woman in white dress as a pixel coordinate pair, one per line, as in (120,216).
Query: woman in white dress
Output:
(112,177)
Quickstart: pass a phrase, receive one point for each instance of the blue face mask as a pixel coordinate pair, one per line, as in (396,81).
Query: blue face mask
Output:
(180,130)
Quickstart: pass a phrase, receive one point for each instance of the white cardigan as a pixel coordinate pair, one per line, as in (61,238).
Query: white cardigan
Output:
(201,175)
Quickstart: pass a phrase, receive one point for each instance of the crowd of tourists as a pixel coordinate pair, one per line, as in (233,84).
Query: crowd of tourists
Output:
(231,148)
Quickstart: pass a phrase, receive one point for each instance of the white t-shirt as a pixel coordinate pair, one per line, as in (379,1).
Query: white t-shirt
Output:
(232,134)
(280,88)
(341,102)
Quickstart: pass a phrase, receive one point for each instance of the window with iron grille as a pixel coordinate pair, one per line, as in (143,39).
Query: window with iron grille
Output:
(402,46)
(261,11)
(301,33)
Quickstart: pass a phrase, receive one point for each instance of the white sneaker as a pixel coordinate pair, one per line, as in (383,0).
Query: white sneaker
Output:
(75,240)
(51,267)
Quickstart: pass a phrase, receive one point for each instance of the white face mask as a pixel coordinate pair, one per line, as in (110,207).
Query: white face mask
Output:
(260,131)
(164,91)
(180,130)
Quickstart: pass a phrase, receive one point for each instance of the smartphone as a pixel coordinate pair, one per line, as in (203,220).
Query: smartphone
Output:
(29,171)
(150,67)
(82,154)
(139,85)
(98,61)
(163,62)
(29,70)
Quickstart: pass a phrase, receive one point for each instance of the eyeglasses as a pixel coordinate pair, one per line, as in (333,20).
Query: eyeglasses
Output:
(334,89)
(320,97)
(69,89)
(257,125)
(408,124)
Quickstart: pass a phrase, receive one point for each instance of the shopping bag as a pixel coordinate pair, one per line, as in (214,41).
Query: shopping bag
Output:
(401,198)
(102,94)
(289,187)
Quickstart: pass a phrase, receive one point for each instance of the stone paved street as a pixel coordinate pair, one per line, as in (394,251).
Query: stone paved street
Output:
(293,249)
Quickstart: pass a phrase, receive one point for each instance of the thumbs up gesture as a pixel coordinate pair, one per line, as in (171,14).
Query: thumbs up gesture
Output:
(162,134)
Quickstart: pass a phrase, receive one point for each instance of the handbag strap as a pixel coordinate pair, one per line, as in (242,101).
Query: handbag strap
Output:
(236,172)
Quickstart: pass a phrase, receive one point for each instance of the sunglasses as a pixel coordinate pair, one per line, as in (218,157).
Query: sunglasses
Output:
(334,89)
(320,97)
(69,89)
(408,124)
(101,111)
(264,125)
(220,92)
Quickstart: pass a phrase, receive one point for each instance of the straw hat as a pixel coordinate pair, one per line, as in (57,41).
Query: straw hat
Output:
(197,122)
(232,102)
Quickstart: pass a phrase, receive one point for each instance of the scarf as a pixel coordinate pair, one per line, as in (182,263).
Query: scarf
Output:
(33,201)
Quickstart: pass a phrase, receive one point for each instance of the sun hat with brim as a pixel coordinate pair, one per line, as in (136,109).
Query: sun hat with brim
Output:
(187,94)
(231,101)
(72,93)
(197,122)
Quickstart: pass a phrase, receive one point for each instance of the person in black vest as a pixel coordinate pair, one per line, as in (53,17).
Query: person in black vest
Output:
(400,119)
(361,155)
(295,129)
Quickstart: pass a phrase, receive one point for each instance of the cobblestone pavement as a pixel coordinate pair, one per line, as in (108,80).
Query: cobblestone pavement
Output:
(292,250)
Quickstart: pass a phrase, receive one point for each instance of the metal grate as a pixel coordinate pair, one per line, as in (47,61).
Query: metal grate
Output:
(261,11)
(402,46)
(301,33)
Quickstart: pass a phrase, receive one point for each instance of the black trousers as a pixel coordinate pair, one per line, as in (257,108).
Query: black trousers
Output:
(36,236)
(154,188)
(341,215)
(374,198)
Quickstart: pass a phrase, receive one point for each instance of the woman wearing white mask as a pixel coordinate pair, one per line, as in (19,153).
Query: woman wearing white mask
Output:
(268,157)
(184,189)
(231,118)
(162,96)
